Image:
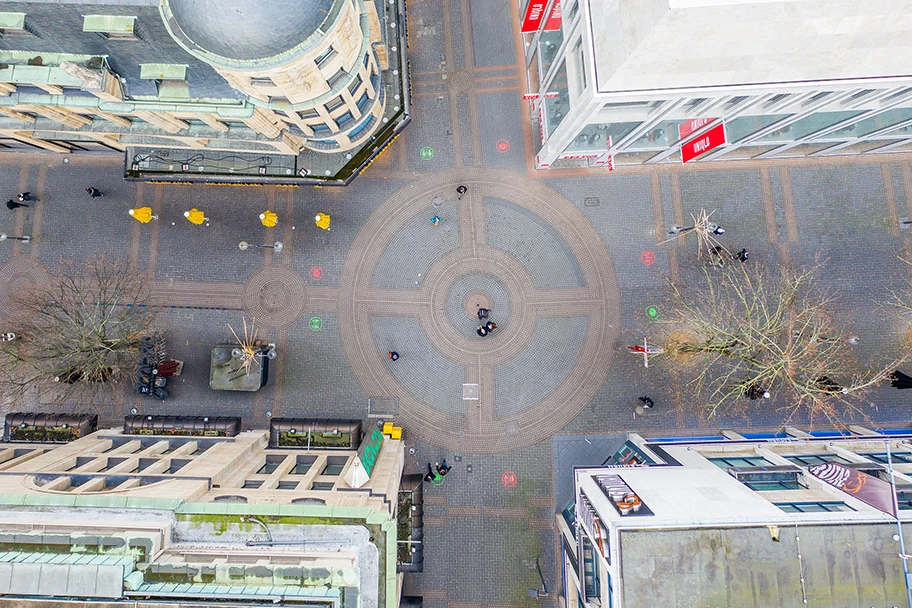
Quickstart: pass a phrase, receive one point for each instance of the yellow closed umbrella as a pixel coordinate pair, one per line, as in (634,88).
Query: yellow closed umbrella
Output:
(195,216)
(269,219)
(143,214)
(323,221)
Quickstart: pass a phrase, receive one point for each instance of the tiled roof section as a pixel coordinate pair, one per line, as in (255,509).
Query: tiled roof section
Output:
(249,29)
(58,29)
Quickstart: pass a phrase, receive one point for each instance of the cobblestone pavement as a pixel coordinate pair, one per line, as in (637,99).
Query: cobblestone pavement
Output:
(567,260)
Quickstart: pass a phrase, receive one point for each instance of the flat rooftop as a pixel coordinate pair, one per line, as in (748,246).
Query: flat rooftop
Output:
(661,44)
(843,565)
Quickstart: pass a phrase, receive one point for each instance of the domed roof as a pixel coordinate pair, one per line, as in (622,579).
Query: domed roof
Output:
(248,29)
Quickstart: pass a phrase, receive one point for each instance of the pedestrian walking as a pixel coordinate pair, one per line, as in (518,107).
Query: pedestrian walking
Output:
(94,192)
(490,326)
(11,204)
(393,355)
(443,468)
(718,231)
(754,392)
(27,196)
(742,255)
(436,220)
(482,331)
(460,191)
(483,313)
(647,402)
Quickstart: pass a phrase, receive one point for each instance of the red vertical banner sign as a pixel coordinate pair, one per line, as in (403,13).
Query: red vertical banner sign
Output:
(713,138)
(534,14)
(554,19)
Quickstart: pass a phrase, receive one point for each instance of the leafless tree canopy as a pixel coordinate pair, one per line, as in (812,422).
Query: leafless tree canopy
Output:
(78,335)
(748,331)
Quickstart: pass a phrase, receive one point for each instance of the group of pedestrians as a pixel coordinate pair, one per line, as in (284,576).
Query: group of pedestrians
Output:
(26,197)
(488,326)
(437,472)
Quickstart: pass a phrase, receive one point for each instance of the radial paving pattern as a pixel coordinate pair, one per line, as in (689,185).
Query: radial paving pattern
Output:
(18,275)
(500,275)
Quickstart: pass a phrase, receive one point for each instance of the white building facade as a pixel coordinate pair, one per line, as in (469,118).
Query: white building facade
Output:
(641,81)
(727,520)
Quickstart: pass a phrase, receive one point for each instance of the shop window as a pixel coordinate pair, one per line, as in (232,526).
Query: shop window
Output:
(813,507)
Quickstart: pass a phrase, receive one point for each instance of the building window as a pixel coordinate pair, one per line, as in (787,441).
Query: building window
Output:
(334,465)
(287,485)
(362,102)
(229,498)
(309,113)
(773,486)
(262,82)
(272,463)
(322,485)
(336,78)
(177,465)
(308,501)
(326,56)
(252,484)
(344,119)
(816,97)
(740,461)
(111,27)
(14,24)
(303,464)
(353,86)
(335,103)
(776,99)
(321,129)
(897,457)
(810,460)
(813,507)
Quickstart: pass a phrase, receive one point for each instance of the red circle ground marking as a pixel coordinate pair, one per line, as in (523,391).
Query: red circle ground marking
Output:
(503,145)
(316,273)
(508,479)
(648,258)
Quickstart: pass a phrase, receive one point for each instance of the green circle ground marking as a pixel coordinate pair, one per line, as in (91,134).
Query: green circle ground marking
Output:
(427,153)
(652,312)
(315,324)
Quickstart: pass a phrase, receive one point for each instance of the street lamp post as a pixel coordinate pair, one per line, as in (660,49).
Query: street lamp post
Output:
(4,237)
(244,246)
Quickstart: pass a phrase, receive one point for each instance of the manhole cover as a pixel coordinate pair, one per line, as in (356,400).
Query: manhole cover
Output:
(461,81)
(274,296)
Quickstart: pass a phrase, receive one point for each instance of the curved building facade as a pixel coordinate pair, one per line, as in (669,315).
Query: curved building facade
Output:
(208,90)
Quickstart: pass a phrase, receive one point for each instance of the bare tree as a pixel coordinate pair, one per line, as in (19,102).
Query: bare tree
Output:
(747,332)
(77,335)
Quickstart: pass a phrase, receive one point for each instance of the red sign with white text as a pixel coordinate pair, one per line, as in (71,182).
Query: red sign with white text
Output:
(713,138)
(554,20)
(534,14)
(691,126)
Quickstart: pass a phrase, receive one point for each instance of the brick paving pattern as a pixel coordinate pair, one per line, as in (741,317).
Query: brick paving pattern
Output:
(558,257)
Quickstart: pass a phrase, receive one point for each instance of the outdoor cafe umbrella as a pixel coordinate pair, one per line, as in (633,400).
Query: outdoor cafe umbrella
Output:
(269,219)
(323,221)
(195,216)
(143,214)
